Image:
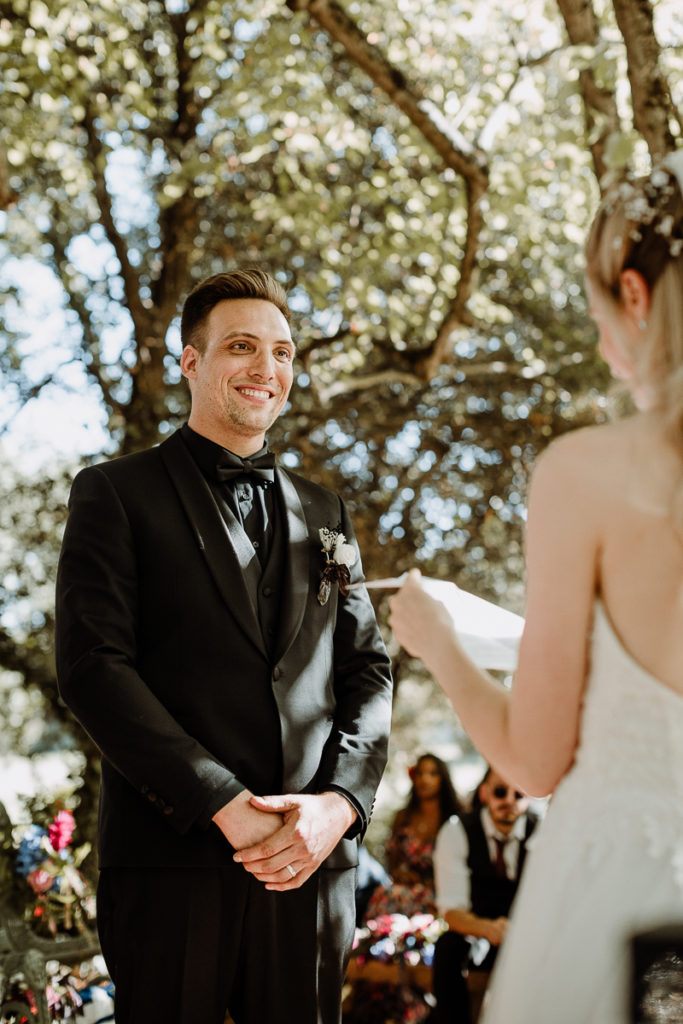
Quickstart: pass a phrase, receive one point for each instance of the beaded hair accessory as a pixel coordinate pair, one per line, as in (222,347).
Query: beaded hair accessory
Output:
(647,203)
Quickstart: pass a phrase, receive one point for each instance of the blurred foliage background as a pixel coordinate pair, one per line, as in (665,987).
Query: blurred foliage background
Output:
(419,174)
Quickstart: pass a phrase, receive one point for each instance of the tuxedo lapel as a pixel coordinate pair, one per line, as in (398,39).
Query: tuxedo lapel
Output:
(229,554)
(297,562)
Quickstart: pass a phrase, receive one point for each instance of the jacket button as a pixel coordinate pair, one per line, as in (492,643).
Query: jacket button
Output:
(267,591)
(277,672)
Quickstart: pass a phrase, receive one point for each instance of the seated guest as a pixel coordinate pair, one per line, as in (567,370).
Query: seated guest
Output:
(383,990)
(478,861)
(410,846)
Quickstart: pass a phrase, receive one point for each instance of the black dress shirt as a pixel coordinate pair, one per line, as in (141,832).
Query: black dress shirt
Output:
(252,501)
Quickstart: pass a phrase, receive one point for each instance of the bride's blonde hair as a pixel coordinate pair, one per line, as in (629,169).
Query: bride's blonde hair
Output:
(639,226)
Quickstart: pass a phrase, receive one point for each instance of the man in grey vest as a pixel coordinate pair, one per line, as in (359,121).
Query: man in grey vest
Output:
(478,861)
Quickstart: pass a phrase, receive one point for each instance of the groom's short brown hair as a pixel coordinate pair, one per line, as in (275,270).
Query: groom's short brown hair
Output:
(251,283)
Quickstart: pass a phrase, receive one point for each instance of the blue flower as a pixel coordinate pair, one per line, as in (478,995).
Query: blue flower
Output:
(30,854)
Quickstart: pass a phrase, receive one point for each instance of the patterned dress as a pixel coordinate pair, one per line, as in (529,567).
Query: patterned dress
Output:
(409,862)
(399,916)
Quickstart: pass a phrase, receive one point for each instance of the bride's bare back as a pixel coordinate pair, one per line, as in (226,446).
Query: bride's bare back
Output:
(640,565)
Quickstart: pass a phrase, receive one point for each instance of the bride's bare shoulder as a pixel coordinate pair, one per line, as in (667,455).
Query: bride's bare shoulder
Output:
(604,458)
(588,447)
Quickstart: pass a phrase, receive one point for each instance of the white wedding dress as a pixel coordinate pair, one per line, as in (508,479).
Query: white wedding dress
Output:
(608,858)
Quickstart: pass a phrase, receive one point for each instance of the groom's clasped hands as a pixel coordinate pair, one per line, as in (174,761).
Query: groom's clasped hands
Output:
(308,827)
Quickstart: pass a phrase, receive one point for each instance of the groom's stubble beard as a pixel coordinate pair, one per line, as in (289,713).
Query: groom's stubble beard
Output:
(246,421)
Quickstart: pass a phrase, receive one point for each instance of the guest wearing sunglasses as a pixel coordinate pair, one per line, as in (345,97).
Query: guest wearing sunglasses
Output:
(478,861)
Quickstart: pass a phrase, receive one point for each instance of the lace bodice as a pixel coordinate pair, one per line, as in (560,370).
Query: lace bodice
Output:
(628,770)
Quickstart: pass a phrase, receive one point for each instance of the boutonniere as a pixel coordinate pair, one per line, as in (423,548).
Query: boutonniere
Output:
(339,557)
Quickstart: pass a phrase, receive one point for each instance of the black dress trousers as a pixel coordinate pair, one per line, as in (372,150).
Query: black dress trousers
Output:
(228,945)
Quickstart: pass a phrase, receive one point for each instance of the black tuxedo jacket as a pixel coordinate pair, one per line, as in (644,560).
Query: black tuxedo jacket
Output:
(161,656)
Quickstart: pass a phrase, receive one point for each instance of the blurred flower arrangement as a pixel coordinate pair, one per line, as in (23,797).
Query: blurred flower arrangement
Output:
(396,938)
(405,943)
(84,994)
(377,1003)
(42,883)
(61,900)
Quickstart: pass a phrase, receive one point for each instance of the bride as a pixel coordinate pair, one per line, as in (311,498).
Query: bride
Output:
(595,713)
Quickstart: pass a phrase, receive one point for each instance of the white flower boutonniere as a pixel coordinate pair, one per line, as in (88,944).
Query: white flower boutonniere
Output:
(339,557)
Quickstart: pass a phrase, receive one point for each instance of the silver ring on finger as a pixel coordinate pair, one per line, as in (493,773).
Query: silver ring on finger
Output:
(292,872)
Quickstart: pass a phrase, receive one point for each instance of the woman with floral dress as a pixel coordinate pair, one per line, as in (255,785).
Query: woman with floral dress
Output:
(410,846)
(399,917)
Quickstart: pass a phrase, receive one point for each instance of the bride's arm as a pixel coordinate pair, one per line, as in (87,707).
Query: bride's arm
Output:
(529,732)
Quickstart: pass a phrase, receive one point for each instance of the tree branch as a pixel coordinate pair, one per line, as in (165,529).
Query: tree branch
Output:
(462,158)
(27,391)
(91,341)
(8,196)
(370,380)
(456,154)
(599,104)
(653,106)
(495,367)
(97,156)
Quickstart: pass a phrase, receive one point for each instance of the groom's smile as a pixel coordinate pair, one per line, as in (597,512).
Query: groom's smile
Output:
(251,392)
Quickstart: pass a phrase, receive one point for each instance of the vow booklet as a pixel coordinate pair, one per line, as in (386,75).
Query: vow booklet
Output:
(489,634)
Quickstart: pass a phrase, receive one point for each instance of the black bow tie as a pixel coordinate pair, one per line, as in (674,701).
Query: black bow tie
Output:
(261,468)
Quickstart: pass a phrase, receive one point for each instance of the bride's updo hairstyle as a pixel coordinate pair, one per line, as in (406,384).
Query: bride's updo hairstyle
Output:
(639,226)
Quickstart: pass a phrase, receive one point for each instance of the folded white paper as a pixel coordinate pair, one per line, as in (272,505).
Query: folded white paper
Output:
(489,634)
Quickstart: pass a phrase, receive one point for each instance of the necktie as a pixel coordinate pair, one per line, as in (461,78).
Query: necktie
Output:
(261,469)
(501,870)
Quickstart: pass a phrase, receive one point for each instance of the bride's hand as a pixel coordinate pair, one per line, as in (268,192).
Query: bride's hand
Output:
(418,620)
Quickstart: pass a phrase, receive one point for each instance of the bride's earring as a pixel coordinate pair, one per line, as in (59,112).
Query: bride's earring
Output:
(642,324)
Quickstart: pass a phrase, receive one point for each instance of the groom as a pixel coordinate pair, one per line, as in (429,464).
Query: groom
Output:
(240,700)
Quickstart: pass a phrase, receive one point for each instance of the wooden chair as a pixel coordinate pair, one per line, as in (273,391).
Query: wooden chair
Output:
(419,976)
